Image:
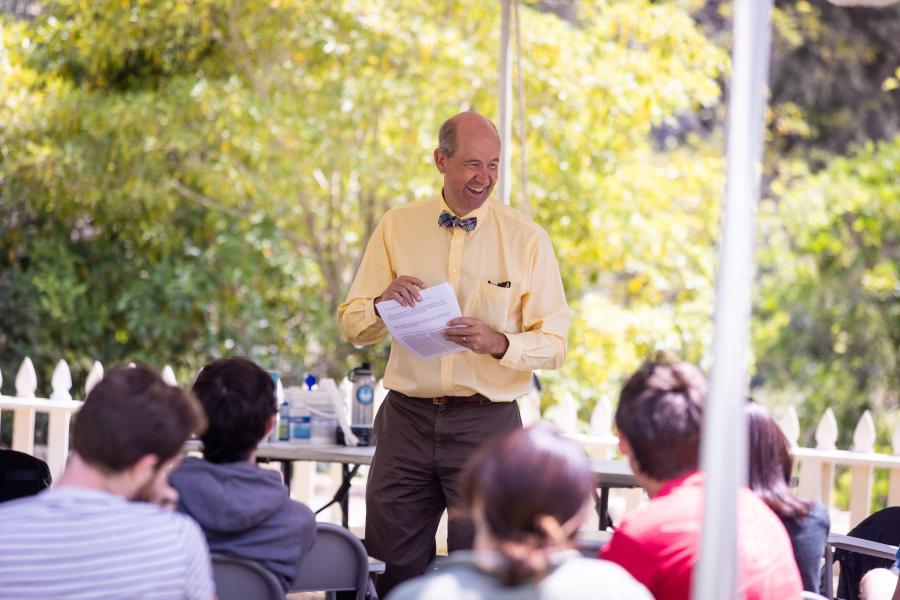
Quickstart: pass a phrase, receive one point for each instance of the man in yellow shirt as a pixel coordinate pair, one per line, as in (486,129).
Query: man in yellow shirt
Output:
(504,272)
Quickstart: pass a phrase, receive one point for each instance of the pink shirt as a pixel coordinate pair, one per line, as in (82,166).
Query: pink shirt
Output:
(659,542)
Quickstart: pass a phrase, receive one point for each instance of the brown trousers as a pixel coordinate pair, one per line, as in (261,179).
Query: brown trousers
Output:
(420,452)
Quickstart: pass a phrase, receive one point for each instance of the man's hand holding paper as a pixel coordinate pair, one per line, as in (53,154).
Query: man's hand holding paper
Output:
(475,335)
(404,289)
(418,320)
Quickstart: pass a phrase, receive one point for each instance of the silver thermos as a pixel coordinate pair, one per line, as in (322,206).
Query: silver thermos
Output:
(362,414)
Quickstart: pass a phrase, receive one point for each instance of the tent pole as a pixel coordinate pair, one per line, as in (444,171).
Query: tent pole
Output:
(724,446)
(503,105)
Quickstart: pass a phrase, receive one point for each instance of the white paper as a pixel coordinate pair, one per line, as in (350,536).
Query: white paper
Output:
(420,328)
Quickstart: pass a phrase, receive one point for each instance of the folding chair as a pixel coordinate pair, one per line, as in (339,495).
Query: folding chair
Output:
(240,579)
(337,561)
(860,548)
(21,475)
(867,546)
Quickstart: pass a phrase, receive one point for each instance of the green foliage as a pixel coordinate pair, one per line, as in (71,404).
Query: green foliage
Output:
(194,178)
(828,312)
(831,74)
(183,179)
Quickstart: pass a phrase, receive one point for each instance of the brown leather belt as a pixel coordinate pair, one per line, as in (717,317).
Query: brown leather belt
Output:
(449,400)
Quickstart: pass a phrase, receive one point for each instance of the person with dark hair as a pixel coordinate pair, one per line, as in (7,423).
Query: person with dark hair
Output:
(770,465)
(95,534)
(528,492)
(504,273)
(659,419)
(244,510)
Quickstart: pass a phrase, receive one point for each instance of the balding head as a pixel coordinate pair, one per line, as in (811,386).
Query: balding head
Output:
(464,123)
(469,159)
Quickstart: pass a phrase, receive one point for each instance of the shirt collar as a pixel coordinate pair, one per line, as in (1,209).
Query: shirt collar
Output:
(690,478)
(480,213)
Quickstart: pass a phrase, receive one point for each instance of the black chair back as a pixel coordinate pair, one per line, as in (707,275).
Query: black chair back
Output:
(21,475)
(882,526)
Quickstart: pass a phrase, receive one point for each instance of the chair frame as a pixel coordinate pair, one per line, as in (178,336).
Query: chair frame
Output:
(276,592)
(852,544)
(361,576)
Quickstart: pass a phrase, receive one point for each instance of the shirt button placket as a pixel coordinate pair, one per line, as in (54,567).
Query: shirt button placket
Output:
(456,247)
(453,272)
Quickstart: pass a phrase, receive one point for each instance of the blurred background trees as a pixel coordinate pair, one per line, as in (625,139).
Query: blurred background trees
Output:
(184,179)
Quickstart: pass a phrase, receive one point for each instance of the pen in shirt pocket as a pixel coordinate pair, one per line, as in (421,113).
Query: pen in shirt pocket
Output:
(503,284)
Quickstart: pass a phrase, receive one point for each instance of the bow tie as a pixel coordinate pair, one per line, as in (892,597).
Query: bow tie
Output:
(448,220)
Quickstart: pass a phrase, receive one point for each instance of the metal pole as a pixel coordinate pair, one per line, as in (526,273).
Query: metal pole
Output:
(524,202)
(724,446)
(503,107)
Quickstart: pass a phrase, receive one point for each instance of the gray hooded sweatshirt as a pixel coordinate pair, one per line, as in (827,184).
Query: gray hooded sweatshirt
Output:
(245,511)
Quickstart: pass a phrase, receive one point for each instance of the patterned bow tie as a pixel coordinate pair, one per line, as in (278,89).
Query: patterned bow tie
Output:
(448,220)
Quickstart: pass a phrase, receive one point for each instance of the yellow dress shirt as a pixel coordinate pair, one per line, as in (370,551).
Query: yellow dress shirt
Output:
(504,246)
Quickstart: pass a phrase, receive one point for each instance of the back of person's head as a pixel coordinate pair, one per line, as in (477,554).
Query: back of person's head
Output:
(769,462)
(529,489)
(133,413)
(239,400)
(659,414)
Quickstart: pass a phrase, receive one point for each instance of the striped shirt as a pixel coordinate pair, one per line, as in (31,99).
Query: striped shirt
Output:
(77,543)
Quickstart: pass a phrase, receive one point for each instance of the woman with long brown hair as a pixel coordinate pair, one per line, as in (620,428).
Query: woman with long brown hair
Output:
(770,465)
(528,493)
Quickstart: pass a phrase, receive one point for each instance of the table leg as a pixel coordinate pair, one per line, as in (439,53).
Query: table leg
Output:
(342,496)
(287,472)
(603,508)
(345,499)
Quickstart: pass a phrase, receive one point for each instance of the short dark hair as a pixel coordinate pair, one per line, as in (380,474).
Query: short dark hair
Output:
(659,414)
(131,413)
(769,464)
(520,478)
(239,399)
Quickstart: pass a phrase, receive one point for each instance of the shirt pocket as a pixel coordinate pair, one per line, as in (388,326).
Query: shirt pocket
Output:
(492,304)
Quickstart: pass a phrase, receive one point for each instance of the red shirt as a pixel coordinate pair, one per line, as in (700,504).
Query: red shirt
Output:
(659,543)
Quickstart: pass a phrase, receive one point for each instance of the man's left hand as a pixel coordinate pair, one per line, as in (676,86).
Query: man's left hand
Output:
(473,334)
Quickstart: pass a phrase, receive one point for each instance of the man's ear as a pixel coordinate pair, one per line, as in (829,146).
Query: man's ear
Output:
(143,471)
(269,425)
(439,159)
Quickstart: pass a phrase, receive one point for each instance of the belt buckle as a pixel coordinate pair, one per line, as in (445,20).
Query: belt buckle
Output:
(439,400)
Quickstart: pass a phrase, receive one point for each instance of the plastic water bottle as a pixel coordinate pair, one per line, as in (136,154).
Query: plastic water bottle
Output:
(280,421)
(284,422)
(362,416)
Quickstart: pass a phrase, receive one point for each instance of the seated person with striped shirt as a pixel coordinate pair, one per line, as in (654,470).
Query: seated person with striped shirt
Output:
(85,538)
(244,510)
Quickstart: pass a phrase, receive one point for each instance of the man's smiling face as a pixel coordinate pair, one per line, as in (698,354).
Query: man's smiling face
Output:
(471,172)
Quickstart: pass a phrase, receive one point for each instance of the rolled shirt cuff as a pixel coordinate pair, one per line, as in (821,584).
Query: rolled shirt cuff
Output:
(513,355)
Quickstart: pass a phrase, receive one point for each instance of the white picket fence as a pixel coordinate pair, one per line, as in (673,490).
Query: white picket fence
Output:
(815,466)
(59,407)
